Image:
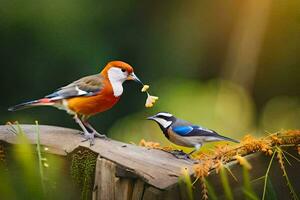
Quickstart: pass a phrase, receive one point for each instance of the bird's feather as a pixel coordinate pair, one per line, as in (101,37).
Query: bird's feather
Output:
(182,130)
(194,131)
(86,86)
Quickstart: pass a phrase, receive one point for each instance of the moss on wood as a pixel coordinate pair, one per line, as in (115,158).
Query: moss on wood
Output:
(83,163)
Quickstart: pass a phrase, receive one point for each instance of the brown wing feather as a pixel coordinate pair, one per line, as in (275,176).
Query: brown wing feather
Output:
(86,86)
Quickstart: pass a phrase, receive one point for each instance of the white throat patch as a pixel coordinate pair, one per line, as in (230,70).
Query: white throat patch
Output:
(116,78)
(163,122)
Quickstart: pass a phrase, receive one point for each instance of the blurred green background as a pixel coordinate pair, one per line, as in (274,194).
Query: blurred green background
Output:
(232,66)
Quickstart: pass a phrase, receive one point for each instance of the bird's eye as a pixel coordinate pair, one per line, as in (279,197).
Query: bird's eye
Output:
(123,70)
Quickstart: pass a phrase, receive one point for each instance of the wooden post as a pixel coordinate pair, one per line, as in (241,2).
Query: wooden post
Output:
(129,172)
(123,171)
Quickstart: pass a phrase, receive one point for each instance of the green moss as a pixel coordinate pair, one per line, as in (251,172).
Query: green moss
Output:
(83,170)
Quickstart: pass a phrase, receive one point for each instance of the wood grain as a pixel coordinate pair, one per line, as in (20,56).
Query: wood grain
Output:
(156,168)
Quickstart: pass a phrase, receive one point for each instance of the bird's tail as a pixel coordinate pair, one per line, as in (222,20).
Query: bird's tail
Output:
(221,137)
(29,104)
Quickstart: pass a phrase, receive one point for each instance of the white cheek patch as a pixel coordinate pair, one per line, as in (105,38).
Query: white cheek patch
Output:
(116,78)
(116,74)
(163,122)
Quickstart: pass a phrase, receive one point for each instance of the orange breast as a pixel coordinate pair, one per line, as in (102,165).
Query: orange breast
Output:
(92,105)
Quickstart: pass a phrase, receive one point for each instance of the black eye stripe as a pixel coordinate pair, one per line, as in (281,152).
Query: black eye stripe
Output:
(163,117)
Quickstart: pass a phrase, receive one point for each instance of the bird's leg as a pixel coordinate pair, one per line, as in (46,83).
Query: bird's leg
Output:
(180,154)
(89,126)
(87,135)
(192,152)
(197,147)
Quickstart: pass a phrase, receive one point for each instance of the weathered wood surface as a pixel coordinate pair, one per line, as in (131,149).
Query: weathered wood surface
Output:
(154,167)
(124,171)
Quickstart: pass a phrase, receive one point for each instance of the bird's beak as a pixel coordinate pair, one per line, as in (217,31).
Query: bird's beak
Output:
(133,77)
(150,118)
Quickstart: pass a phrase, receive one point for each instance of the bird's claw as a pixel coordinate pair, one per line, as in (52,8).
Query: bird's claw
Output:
(89,137)
(180,154)
(102,136)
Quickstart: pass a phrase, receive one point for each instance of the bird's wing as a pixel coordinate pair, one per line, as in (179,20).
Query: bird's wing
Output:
(191,130)
(182,130)
(86,86)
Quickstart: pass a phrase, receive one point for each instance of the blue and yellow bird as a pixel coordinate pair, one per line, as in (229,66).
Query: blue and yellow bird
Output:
(184,133)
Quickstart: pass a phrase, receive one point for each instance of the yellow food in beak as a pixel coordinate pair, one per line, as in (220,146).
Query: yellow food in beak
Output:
(150,100)
(145,88)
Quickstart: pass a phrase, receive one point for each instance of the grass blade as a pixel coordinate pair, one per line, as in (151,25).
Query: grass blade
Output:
(267,174)
(38,150)
(211,192)
(247,188)
(186,183)
(225,183)
(270,191)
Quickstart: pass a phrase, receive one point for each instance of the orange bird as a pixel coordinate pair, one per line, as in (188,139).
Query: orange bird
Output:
(88,96)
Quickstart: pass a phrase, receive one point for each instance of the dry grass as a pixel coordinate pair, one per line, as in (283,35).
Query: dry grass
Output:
(222,154)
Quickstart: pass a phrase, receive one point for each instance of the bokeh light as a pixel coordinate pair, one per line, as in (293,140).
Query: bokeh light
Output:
(232,66)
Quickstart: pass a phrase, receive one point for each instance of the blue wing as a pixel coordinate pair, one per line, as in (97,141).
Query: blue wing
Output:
(182,130)
(192,130)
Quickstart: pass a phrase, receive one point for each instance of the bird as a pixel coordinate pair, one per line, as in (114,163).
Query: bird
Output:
(88,96)
(184,133)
